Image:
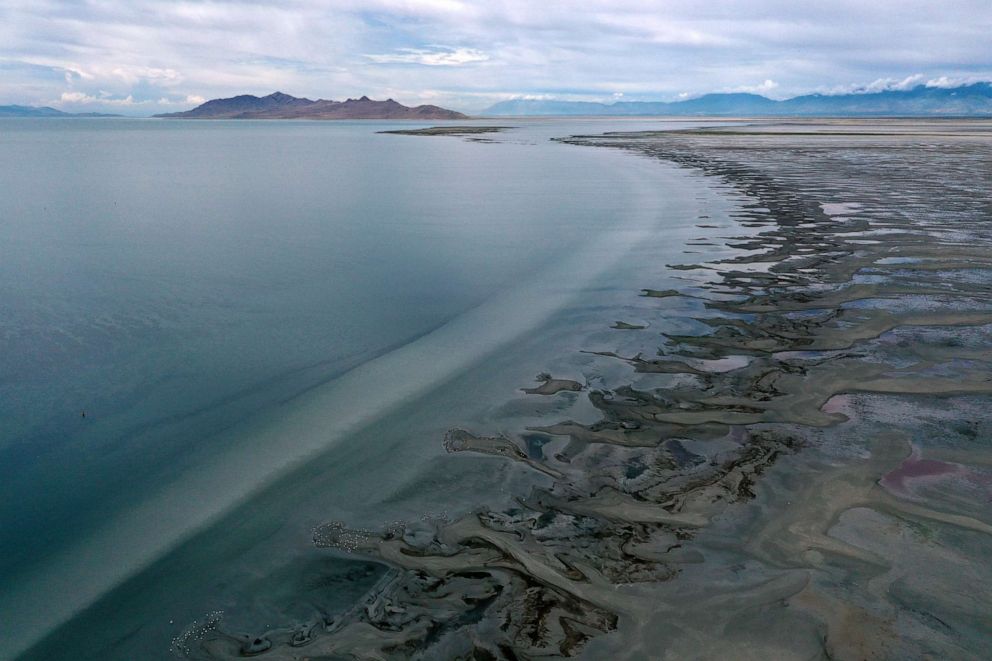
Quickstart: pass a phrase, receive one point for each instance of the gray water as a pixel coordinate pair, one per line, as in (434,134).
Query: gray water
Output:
(215,335)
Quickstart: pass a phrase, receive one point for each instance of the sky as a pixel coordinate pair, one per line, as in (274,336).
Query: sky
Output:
(140,57)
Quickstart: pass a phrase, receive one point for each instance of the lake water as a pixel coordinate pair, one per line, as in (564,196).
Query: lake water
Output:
(216,335)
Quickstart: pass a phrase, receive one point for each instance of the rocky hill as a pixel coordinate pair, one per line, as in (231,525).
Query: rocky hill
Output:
(284,106)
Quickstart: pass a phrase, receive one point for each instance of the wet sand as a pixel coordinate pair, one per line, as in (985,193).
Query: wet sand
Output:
(456,131)
(804,473)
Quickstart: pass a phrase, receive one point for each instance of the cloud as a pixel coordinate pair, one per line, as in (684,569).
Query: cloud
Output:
(906,83)
(131,75)
(437,57)
(883,84)
(104,99)
(76,97)
(467,52)
(761,88)
(184,101)
(945,81)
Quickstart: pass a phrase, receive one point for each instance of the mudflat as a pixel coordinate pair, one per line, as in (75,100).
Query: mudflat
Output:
(805,475)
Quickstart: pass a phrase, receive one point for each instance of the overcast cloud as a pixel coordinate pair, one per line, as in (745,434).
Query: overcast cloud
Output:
(145,56)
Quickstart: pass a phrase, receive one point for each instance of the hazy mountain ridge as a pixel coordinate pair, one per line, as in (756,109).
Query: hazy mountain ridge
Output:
(284,106)
(45,111)
(966,100)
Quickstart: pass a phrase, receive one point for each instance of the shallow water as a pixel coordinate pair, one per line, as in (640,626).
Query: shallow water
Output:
(268,325)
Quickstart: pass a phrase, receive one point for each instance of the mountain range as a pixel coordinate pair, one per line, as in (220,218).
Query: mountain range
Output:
(284,106)
(45,111)
(973,100)
(966,100)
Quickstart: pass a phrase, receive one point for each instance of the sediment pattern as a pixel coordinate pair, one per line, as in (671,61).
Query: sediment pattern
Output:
(850,336)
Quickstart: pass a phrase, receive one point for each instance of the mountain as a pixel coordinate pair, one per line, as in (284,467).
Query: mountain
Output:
(965,100)
(284,106)
(44,111)
(974,99)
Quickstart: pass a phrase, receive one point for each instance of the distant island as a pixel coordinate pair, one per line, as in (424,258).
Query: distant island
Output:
(973,100)
(284,106)
(45,111)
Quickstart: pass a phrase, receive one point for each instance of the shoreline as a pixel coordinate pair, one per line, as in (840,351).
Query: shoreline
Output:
(811,312)
(736,474)
(335,410)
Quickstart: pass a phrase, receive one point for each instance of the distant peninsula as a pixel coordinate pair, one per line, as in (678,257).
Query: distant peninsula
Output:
(974,100)
(284,106)
(45,112)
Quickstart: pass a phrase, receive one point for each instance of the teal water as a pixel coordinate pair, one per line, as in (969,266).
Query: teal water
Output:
(266,325)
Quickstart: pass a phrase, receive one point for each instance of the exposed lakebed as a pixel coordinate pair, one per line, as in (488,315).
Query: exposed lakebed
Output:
(808,478)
